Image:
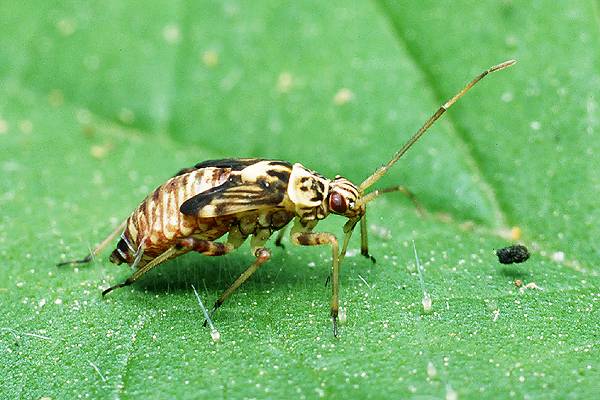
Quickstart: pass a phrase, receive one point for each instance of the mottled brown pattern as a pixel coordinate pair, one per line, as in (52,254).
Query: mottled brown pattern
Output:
(246,196)
(157,223)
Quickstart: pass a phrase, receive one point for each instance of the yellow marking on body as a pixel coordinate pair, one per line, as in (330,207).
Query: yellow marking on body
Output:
(208,210)
(252,172)
(184,226)
(132,230)
(185,230)
(165,214)
(154,239)
(154,220)
(172,211)
(187,189)
(302,187)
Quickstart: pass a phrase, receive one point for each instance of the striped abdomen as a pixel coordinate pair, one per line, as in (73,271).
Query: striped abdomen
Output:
(158,223)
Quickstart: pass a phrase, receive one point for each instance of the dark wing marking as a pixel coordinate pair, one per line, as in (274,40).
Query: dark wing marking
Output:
(192,205)
(233,197)
(236,164)
(243,191)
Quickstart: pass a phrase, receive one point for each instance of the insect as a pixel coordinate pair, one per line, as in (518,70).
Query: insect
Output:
(513,254)
(250,198)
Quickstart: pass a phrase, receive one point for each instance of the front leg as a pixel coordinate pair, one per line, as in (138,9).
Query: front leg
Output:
(317,239)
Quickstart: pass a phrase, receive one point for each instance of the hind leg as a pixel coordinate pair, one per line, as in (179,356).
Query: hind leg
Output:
(235,239)
(98,248)
(205,247)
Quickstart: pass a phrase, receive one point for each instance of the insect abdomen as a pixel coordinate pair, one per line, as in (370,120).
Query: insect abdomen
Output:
(123,253)
(157,221)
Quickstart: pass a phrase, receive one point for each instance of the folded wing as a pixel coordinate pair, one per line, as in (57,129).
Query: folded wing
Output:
(259,184)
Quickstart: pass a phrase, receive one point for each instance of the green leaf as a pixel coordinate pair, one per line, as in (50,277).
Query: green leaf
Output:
(100,103)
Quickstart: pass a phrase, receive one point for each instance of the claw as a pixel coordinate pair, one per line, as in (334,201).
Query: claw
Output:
(370,257)
(335,328)
(127,282)
(110,289)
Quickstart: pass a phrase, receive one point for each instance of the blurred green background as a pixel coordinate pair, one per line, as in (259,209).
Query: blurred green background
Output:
(100,102)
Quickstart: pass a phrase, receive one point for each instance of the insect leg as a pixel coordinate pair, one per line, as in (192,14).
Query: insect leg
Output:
(206,247)
(279,238)
(348,229)
(402,189)
(209,248)
(142,270)
(364,239)
(320,238)
(262,255)
(405,191)
(98,248)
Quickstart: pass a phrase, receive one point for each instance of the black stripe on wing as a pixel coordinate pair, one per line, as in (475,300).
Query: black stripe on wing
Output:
(236,164)
(235,196)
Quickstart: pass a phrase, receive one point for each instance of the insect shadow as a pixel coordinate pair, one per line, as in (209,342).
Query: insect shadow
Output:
(216,273)
(513,272)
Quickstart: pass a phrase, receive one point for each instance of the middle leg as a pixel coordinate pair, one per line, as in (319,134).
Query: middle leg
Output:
(261,253)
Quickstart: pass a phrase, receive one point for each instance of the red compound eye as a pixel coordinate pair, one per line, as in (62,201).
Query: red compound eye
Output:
(337,203)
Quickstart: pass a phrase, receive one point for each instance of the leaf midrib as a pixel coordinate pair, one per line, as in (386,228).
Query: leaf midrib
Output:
(473,159)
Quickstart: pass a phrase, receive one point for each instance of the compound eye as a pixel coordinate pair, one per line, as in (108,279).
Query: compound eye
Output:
(337,203)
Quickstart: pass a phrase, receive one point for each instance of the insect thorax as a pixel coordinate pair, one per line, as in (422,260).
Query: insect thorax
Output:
(307,190)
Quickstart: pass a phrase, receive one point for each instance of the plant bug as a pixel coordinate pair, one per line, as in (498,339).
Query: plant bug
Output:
(250,197)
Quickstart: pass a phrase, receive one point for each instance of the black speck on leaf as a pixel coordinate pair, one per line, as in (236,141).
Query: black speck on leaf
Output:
(513,254)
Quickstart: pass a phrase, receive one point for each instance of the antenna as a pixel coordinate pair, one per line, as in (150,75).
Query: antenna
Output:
(384,168)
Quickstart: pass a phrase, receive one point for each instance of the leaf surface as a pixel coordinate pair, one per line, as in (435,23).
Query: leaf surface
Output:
(101,103)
